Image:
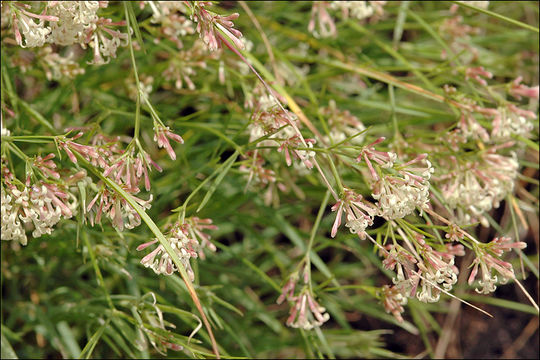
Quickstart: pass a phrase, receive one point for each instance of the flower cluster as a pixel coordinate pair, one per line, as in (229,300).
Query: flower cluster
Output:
(56,66)
(487,259)
(182,67)
(359,10)
(511,120)
(170,16)
(66,23)
(211,25)
(280,126)
(393,301)
(39,205)
(359,213)
(342,125)
(130,169)
(399,192)
(127,168)
(478,186)
(305,313)
(116,208)
(422,272)
(187,240)
(437,268)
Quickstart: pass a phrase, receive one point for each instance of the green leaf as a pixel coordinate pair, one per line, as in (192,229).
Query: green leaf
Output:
(6,349)
(223,170)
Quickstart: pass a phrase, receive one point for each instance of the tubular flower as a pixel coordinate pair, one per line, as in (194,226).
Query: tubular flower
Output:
(116,208)
(487,260)
(477,187)
(399,194)
(40,205)
(359,213)
(306,313)
(162,134)
(184,239)
(209,26)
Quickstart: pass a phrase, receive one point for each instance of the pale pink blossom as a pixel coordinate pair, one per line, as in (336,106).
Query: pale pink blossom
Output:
(518,90)
(162,134)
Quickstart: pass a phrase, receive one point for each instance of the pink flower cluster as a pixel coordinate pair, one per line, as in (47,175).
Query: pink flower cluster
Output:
(38,205)
(210,26)
(187,240)
(488,259)
(305,313)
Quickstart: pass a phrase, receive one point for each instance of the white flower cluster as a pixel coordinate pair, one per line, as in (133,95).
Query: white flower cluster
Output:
(76,18)
(481,186)
(444,277)
(66,23)
(270,118)
(510,124)
(397,199)
(187,241)
(168,14)
(34,34)
(160,261)
(39,205)
(12,228)
(306,313)
(358,9)
(479,4)
(398,196)
(488,282)
(162,9)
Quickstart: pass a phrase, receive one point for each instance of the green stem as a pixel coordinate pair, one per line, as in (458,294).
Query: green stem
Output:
(315,227)
(336,175)
(136,73)
(498,16)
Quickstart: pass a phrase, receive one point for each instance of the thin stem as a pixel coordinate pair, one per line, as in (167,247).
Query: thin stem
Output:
(315,227)
(336,175)
(498,16)
(433,213)
(138,84)
(267,44)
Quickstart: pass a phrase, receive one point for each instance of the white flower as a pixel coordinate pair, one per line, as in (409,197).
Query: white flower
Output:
(35,35)
(480,186)
(76,18)
(5,132)
(510,123)
(398,198)
(12,228)
(160,261)
(479,4)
